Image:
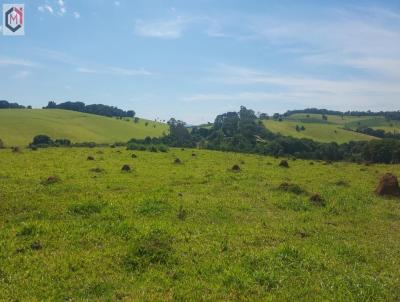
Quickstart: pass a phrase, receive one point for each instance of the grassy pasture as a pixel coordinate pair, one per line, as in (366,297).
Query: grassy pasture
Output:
(19,126)
(322,132)
(195,231)
(335,129)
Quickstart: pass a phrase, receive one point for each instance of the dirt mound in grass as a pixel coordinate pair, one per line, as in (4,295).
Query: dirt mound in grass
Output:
(126,168)
(284,164)
(50,180)
(235,168)
(317,199)
(388,185)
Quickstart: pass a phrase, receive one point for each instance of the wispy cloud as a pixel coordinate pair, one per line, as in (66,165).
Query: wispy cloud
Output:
(304,89)
(114,71)
(169,29)
(247,96)
(46,8)
(17,62)
(77,15)
(61,7)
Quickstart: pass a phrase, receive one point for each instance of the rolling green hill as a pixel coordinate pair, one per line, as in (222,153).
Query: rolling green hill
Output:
(19,126)
(334,129)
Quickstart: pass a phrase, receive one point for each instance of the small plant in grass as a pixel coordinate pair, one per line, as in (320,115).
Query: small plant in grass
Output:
(50,180)
(153,248)
(85,209)
(152,207)
(27,230)
(182,213)
(342,183)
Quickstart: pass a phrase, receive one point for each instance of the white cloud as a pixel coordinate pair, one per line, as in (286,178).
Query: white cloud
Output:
(77,15)
(240,97)
(115,71)
(61,7)
(62,11)
(46,8)
(171,29)
(17,62)
(305,90)
(86,70)
(129,72)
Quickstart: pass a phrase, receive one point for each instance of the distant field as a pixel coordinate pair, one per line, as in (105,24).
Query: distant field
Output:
(19,126)
(335,129)
(195,231)
(319,132)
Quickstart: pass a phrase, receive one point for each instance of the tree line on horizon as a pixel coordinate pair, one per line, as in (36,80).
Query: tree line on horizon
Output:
(98,109)
(391,115)
(243,131)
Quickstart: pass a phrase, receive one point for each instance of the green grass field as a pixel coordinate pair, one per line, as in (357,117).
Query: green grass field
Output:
(315,131)
(335,129)
(195,231)
(18,127)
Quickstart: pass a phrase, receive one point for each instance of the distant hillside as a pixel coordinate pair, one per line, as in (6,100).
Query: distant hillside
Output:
(336,128)
(19,126)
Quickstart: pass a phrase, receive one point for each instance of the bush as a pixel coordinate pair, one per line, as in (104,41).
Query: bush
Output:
(62,142)
(42,140)
(163,148)
(146,145)
(1,144)
(153,149)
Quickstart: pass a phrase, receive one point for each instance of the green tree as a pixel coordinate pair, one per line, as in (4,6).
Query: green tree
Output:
(42,140)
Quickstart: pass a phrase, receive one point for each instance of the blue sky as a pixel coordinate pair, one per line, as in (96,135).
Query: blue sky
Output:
(195,59)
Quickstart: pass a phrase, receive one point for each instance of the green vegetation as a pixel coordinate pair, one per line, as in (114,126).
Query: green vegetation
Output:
(334,128)
(243,132)
(322,132)
(73,229)
(98,109)
(19,126)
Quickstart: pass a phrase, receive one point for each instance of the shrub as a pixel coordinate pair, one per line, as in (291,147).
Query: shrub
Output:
(153,149)
(62,142)
(163,148)
(42,140)
(1,144)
